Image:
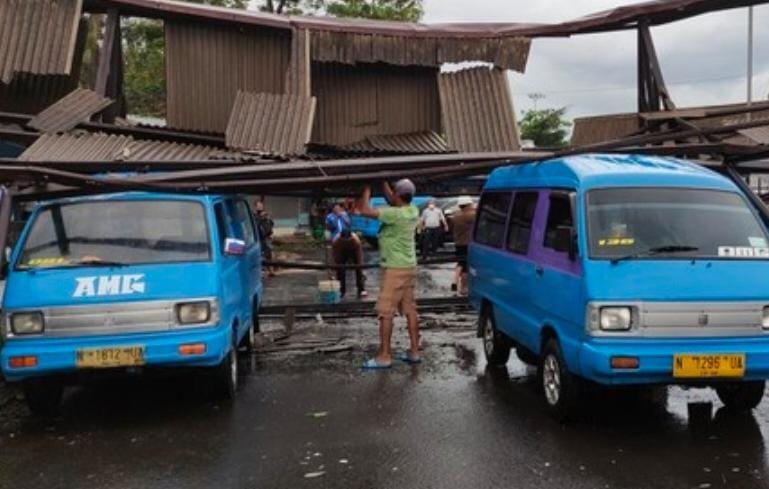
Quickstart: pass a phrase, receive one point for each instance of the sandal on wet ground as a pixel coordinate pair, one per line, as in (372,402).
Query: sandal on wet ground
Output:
(408,358)
(372,364)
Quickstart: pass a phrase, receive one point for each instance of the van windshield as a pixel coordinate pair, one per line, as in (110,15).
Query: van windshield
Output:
(673,223)
(114,232)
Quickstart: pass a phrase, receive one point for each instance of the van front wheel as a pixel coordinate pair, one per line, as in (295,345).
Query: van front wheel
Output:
(741,396)
(495,345)
(43,395)
(561,388)
(226,376)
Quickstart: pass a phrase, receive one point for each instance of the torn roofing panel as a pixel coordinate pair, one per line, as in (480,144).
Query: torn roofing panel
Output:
(38,36)
(107,147)
(269,123)
(590,130)
(477,111)
(78,106)
(508,53)
(206,65)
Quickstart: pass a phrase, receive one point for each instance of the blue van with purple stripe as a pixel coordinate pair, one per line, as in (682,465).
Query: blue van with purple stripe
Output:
(623,270)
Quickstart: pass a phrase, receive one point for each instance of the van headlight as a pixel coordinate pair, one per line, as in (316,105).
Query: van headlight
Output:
(193,312)
(27,323)
(765,318)
(615,318)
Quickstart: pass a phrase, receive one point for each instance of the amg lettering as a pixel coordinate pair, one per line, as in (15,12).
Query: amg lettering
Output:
(109,285)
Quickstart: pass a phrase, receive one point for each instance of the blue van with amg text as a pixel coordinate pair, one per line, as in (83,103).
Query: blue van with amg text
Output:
(124,282)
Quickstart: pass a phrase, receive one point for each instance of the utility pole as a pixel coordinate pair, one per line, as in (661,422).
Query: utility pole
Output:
(750,55)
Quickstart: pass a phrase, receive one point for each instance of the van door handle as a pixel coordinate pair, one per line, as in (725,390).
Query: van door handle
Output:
(539,270)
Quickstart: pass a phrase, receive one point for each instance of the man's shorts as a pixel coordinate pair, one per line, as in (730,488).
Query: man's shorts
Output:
(462,257)
(396,292)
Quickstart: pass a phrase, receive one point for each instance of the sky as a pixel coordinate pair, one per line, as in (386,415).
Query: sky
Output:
(704,59)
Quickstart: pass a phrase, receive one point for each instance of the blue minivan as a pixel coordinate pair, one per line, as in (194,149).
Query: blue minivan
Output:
(129,281)
(623,270)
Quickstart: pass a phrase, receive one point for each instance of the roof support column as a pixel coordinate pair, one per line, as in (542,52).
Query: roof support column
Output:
(109,76)
(651,84)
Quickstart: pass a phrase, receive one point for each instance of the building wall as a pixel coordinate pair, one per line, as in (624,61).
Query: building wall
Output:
(355,101)
(206,65)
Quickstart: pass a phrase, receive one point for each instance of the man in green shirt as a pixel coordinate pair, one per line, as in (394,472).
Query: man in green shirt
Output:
(397,249)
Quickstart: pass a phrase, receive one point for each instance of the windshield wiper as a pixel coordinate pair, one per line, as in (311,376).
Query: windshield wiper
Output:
(656,251)
(98,263)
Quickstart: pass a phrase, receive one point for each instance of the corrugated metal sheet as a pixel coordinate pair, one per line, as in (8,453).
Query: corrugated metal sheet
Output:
(365,100)
(37,36)
(590,130)
(298,80)
(29,94)
(68,112)
(206,65)
(477,110)
(77,147)
(108,147)
(269,123)
(426,142)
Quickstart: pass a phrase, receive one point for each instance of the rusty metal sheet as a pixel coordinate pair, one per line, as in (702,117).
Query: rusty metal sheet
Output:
(366,100)
(589,130)
(38,36)
(78,106)
(206,66)
(94,147)
(269,123)
(298,77)
(477,111)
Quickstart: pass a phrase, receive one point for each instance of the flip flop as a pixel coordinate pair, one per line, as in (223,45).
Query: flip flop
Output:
(372,364)
(406,357)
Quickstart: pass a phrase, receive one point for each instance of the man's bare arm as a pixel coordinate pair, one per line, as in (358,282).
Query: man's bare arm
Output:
(388,193)
(364,206)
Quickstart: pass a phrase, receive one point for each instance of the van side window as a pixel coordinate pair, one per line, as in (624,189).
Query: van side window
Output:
(492,217)
(559,215)
(221,224)
(244,217)
(519,234)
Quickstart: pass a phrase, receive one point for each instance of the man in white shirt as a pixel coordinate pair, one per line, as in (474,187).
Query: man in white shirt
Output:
(433,224)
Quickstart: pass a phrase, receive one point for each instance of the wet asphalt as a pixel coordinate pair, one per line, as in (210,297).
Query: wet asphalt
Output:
(304,419)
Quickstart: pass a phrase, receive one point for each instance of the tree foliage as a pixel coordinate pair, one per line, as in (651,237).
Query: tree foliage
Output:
(546,127)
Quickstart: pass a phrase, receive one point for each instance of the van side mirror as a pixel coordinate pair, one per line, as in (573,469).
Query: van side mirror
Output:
(565,241)
(234,247)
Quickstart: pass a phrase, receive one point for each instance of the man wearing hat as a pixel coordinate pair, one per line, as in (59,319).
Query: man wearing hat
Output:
(397,249)
(462,228)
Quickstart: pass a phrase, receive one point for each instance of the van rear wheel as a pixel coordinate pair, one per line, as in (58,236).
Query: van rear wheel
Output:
(496,346)
(741,396)
(561,389)
(43,395)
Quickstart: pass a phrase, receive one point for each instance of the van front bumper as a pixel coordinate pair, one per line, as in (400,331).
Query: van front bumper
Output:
(161,349)
(655,358)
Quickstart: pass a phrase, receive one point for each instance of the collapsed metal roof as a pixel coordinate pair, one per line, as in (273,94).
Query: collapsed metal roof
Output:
(353,40)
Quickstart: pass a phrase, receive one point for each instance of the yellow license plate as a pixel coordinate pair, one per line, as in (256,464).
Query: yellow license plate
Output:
(121,356)
(709,366)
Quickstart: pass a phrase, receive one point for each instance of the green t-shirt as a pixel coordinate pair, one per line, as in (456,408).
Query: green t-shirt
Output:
(396,238)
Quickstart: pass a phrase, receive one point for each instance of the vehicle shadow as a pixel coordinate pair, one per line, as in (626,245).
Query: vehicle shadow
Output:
(615,426)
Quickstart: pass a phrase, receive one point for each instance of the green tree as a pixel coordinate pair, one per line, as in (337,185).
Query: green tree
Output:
(546,127)
(144,84)
(399,10)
